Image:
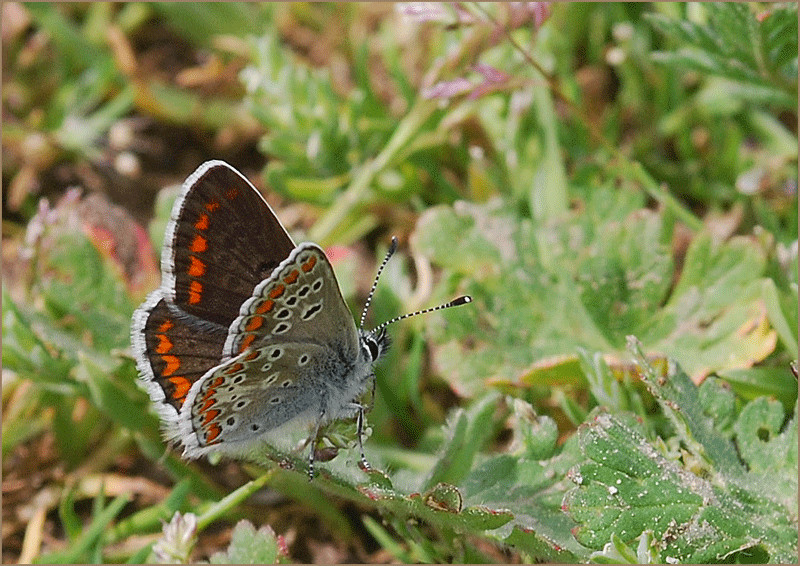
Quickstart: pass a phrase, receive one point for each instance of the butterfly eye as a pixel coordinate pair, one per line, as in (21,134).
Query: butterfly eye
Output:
(374,344)
(372,348)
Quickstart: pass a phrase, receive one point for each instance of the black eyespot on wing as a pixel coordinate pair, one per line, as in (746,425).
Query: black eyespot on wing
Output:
(308,314)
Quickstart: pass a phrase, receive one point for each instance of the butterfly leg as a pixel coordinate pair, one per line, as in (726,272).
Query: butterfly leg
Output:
(360,432)
(313,442)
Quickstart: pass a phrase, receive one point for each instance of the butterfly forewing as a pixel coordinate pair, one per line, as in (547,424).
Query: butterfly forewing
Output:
(222,241)
(300,302)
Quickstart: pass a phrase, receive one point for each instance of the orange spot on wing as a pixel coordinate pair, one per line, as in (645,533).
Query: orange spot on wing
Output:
(197,268)
(210,416)
(173,363)
(208,404)
(266,306)
(251,356)
(277,291)
(212,433)
(165,326)
(246,342)
(292,277)
(202,222)
(212,388)
(255,323)
(309,265)
(164,344)
(195,292)
(212,206)
(237,367)
(182,386)
(199,244)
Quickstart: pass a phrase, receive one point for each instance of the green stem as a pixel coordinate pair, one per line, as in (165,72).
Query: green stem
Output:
(636,171)
(224,505)
(365,175)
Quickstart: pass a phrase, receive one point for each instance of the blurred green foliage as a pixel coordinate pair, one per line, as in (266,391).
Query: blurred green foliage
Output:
(587,173)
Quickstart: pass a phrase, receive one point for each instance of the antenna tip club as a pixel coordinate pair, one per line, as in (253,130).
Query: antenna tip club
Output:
(461,301)
(393,246)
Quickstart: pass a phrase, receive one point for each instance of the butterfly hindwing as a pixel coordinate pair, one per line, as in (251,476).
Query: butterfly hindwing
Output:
(172,352)
(253,394)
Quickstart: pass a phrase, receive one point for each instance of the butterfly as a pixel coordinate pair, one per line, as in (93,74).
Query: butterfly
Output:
(249,332)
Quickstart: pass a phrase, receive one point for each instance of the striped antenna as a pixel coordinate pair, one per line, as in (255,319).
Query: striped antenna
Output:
(393,248)
(390,253)
(454,303)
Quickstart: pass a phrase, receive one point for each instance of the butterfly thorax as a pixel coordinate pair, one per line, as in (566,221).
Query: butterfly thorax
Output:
(343,392)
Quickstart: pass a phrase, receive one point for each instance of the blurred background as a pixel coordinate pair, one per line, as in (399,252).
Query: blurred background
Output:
(587,172)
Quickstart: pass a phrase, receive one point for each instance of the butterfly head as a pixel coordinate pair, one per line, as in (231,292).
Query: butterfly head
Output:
(374,344)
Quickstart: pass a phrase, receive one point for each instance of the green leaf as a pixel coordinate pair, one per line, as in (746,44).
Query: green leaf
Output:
(782,311)
(754,382)
(627,488)
(69,518)
(201,22)
(74,48)
(531,490)
(385,540)
(250,546)
(543,292)
(701,504)
(719,403)
(539,548)
(117,399)
(758,55)
(548,193)
(467,433)
(679,400)
(761,442)
(151,518)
